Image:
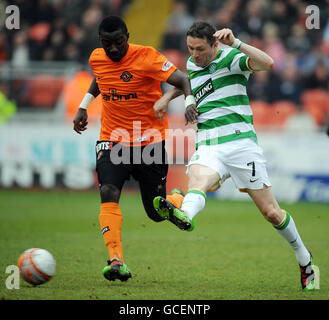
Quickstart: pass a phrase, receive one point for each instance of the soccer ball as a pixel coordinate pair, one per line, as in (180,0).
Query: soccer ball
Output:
(36,266)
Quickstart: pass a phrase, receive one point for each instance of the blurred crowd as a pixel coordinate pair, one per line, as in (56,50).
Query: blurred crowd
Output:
(66,30)
(278,27)
(54,30)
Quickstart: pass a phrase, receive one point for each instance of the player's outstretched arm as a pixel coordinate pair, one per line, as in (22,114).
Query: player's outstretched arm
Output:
(258,59)
(81,119)
(161,106)
(181,81)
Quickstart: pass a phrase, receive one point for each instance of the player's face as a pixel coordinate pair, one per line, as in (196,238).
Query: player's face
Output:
(115,44)
(201,51)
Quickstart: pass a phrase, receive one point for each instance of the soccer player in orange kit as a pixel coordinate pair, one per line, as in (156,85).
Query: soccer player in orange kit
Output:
(128,77)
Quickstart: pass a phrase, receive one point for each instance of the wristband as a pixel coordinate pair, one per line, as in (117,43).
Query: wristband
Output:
(189,100)
(236,43)
(86,101)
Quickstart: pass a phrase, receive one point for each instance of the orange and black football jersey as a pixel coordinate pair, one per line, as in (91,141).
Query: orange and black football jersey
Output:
(129,89)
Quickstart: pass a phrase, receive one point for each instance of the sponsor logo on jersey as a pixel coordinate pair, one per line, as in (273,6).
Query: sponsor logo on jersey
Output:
(166,66)
(206,89)
(104,145)
(126,76)
(141,139)
(107,228)
(115,96)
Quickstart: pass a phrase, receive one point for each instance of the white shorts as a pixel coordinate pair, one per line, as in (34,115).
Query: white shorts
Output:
(242,159)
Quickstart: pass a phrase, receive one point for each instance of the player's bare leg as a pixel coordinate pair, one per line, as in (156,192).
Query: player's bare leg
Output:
(285,225)
(201,178)
(267,204)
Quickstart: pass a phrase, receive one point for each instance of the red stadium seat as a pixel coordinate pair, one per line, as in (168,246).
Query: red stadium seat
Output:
(40,31)
(318,96)
(316,103)
(282,110)
(261,113)
(318,114)
(44,90)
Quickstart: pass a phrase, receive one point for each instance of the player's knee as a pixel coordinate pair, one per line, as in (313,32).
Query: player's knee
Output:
(272,214)
(202,178)
(109,193)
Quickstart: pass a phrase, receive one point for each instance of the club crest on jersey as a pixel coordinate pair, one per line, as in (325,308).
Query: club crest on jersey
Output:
(126,76)
(205,90)
(212,68)
(166,66)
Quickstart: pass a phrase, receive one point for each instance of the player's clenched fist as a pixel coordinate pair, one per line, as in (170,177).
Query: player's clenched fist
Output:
(191,114)
(80,121)
(225,36)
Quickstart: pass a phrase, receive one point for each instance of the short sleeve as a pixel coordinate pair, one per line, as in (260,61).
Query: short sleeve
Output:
(237,62)
(95,56)
(157,66)
(243,63)
(92,57)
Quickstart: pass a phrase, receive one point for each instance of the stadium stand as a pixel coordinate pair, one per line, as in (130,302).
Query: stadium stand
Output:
(44,89)
(316,103)
(283,110)
(278,27)
(66,32)
(261,114)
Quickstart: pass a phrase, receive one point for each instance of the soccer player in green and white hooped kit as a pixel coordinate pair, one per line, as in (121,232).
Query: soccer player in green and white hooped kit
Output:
(226,141)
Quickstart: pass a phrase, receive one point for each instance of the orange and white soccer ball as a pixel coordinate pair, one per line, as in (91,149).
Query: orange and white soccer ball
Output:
(36,266)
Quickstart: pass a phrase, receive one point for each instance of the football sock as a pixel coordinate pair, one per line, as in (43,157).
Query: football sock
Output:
(194,202)
(288,230)
(110,219)
(176,199)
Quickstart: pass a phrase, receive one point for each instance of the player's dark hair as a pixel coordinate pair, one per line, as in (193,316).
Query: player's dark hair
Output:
(112,23)
(203,30)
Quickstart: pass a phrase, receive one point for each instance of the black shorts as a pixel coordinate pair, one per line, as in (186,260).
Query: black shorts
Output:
(115,163)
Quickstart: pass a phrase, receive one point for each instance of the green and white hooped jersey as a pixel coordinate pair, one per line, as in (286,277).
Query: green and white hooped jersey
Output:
(220,91)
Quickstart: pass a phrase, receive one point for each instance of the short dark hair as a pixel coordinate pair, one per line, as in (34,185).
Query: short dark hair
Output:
(112,23)
(203,30)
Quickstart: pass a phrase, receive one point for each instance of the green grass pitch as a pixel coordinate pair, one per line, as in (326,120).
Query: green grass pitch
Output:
(233,253)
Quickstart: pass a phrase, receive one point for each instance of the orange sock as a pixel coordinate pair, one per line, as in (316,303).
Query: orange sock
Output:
(110,219)
(176,199)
